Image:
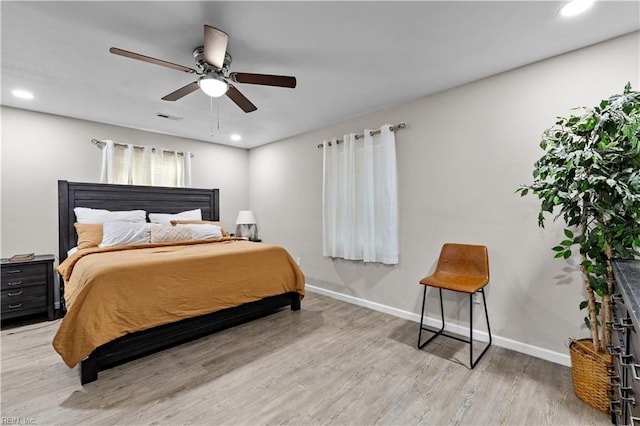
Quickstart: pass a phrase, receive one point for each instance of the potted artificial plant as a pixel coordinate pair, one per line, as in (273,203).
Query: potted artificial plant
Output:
(589,176)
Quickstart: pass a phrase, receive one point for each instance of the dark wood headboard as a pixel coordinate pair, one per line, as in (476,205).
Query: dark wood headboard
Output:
(152,199)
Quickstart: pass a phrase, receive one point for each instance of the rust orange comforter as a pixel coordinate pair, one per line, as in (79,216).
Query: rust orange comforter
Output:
(113,291)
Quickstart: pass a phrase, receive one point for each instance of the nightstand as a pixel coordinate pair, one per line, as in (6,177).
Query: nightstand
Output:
(27,287)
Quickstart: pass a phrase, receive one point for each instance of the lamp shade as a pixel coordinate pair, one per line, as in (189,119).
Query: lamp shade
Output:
(245,217)
(213,86)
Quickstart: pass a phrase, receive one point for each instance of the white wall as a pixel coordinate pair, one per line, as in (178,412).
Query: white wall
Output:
(460,159)
(39,149)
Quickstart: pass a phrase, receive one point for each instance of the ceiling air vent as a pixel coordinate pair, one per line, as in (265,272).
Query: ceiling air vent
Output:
(170,117)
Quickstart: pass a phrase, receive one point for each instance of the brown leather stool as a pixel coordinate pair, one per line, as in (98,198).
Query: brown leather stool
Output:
(463,268)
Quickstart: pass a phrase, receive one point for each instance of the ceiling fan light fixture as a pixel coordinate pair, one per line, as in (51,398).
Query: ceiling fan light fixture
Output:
(213,86)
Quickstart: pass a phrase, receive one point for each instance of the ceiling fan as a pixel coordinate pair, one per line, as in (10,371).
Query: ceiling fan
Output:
(212,63)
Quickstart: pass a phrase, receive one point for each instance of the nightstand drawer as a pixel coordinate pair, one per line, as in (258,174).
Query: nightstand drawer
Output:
(20,294)
(15,306)
(17,276)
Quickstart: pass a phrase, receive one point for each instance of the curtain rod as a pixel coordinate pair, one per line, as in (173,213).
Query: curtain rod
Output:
(100,144)
(400,125)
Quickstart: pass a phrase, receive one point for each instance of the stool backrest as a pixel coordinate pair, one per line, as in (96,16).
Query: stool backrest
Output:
(465,260)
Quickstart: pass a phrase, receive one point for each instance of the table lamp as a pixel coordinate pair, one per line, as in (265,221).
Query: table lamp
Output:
(246,225)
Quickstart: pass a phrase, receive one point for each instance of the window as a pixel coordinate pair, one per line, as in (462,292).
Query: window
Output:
(144,165)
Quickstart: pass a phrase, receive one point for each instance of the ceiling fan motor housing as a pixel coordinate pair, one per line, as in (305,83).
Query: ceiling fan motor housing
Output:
(207,68)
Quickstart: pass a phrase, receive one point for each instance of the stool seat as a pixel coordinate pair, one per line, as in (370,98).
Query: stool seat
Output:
(463,268)
(450,281)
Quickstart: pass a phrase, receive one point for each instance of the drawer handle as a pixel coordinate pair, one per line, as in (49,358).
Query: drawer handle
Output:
(613,350)
(13,271)
(634,371)
(626,360)
(15,306)
(626,394)
(17,293)
(614,404)
(12,283)
(619,326)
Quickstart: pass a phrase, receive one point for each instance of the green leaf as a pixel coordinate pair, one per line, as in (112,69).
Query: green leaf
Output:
(568,233)
(584,304)
(566,254)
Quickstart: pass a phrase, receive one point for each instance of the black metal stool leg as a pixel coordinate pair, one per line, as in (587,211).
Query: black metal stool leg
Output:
(486,316)
(471,329)
(422,327)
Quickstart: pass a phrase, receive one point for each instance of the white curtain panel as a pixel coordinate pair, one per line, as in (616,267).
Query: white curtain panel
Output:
(186,173)
(360,198)
(106,174)
(129,165)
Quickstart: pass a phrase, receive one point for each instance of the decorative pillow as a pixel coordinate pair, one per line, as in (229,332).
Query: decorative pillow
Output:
(165,219)
(124,234)
(87,215)
(200,222)
(202,231)
(165,234)
(89,234)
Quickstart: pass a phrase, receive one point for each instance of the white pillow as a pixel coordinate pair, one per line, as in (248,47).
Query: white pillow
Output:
(124,233)
(165,219)
(165,234)
(87,215)
(202,231)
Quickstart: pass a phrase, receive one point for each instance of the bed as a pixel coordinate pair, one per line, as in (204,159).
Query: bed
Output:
(256,299)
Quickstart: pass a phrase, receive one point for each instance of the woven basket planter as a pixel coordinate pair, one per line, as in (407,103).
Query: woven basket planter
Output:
(591,381)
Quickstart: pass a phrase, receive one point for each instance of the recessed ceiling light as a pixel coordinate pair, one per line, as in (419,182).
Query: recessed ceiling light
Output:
(22,94)
(576,7)
(236,137)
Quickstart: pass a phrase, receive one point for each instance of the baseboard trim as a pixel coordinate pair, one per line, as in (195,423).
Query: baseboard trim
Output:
(503,342)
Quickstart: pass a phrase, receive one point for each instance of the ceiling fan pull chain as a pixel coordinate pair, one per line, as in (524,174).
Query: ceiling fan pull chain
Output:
(217,114)
(211,115)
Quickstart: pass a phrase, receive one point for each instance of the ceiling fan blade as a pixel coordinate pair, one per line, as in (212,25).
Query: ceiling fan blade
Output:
(215,46)
(181,92)
(149,59)
(240,100)
(264,79)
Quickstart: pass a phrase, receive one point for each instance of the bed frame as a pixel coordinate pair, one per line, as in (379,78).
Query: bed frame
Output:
(154,200)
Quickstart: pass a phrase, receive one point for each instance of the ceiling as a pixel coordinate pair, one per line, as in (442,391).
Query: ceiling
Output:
(349,57)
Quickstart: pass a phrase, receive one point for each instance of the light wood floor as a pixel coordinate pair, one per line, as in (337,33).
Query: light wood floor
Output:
(330,363)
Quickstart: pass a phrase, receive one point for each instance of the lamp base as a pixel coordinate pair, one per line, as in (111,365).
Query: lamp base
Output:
(247,231)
